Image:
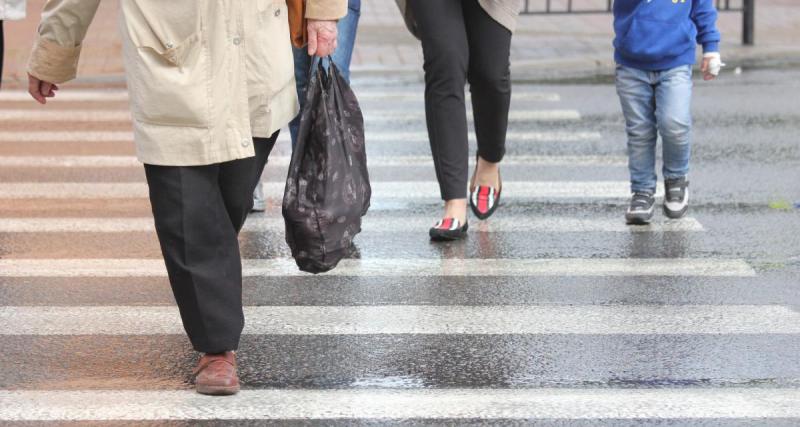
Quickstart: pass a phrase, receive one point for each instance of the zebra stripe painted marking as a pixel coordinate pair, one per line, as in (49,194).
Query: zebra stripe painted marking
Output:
(417,319)
(381,190)
(384,404)
(283,161)
(413,267)
(387,136)
(370,116)
(371,224)
(409,94)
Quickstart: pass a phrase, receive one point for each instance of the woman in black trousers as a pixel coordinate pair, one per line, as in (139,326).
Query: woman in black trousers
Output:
(465,41)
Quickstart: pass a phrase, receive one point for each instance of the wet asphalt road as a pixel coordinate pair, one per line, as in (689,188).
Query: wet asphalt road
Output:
(745,188)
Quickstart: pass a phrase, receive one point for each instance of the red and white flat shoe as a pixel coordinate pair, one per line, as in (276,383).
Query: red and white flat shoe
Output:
(484,200)
(448,229)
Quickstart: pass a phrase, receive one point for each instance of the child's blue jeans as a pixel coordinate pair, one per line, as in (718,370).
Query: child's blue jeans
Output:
(656,102)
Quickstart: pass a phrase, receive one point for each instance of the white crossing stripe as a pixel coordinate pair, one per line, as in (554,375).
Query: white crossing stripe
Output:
(518,137)
(371,224)
(418,94)
(384,404)
(381,190)
(413,267)
(373,161)
(417,319)
(65,115)
(370,116)
(69,161)
(70,96)
(386,136)
(515,115)
(409,94)
(66,136)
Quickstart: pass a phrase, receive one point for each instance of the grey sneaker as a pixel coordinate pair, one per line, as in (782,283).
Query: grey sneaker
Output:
(640,211)
(676,197)
(259,204)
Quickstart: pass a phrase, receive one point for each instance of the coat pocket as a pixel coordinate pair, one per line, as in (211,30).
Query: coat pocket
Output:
(272,48)
(170,72)
(650,40)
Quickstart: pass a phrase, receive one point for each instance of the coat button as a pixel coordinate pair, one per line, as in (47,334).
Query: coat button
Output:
(277,13)
(245,142)
(237,41)
(169,45)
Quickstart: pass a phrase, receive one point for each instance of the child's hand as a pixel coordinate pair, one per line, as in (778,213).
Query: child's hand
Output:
(712,63)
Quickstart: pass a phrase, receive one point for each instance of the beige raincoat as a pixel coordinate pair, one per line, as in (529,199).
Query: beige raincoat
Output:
(204,76)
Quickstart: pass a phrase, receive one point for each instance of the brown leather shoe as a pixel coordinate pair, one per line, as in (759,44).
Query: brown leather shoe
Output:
(216,374)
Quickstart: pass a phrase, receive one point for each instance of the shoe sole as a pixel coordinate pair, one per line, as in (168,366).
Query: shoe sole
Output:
(447,235)
(639,220)
(217,390)
(676,214)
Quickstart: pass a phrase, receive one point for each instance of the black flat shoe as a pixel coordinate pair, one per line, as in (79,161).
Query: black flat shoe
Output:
(448,229)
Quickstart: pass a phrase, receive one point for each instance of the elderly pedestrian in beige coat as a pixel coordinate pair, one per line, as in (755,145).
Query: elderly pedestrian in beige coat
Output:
(211,82)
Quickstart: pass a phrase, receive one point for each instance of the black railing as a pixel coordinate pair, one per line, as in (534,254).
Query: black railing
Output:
(554,7)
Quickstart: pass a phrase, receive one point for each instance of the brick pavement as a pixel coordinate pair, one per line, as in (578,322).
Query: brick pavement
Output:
(543,47)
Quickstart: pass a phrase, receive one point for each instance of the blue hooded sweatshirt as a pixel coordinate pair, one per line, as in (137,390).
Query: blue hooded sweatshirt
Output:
(658,35)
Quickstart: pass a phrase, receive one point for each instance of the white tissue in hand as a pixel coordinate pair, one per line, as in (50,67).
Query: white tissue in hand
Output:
(715,64)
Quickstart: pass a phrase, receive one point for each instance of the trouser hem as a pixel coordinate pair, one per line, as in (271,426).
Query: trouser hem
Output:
(492,157)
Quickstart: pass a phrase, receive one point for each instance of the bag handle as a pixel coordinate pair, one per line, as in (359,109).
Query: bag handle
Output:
(321,70)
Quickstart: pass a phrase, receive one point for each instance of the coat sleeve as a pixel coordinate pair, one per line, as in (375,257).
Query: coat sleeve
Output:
(704,15)
(57,46)
(325,9)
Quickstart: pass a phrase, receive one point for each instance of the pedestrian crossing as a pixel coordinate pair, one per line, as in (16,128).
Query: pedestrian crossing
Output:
(385,354)
(122,115)
(382,190)
(418,137)
(447,406)
(379,95)
(398,267)
(371,224)
(100,161)
(404,320)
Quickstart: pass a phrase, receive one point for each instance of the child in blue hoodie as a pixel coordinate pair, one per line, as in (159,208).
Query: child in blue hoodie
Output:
(655,49)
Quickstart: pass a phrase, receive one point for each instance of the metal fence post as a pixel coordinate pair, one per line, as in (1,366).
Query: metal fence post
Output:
(748,22)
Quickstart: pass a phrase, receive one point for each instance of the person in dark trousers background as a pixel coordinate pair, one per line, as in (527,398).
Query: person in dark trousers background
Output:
(346,39)
(10,10)
(465,41)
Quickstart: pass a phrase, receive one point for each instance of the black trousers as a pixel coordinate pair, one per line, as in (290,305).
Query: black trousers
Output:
(2,50)
(461,43)
(198,212)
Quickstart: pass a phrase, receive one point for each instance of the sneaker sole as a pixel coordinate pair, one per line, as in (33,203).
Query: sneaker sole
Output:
(639,220)
(675,214)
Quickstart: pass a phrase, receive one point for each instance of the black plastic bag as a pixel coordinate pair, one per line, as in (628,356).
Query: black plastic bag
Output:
(327,190)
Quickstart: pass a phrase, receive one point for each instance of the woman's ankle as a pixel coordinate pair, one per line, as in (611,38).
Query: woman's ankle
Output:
(456,208)
(487,173)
